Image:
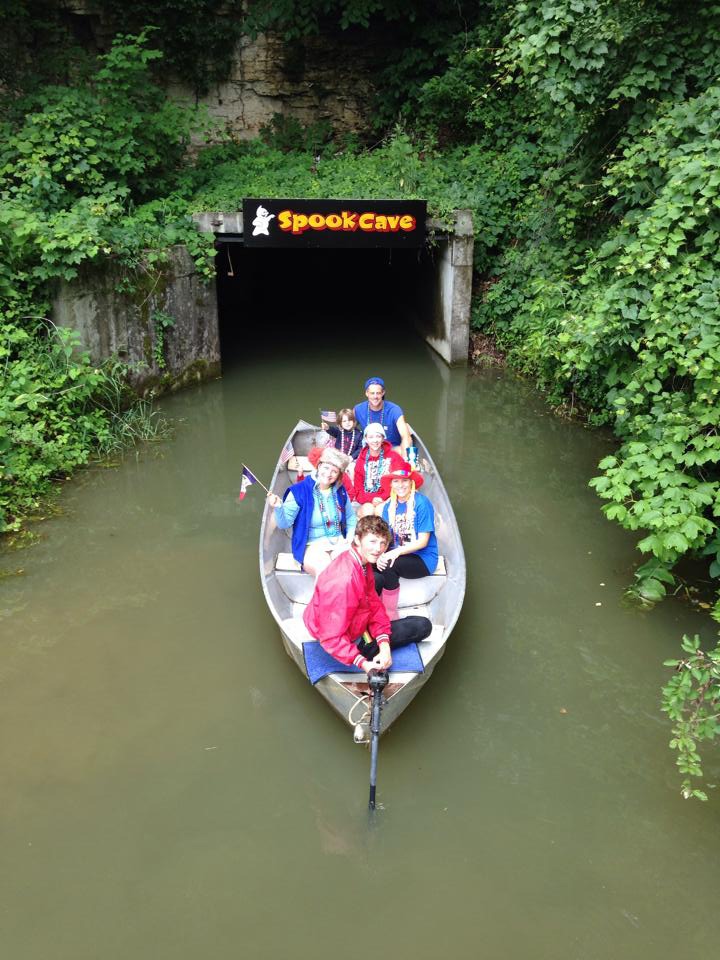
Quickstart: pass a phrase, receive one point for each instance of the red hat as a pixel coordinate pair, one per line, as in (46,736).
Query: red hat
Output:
(314,456)
(405,472)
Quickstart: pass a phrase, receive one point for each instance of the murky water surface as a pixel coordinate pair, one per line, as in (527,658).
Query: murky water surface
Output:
(171,787)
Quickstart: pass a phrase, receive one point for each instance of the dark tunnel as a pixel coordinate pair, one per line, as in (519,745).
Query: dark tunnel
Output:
(307,295)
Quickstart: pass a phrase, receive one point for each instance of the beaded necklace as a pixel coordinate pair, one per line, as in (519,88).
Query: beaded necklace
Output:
(381,421)
(329,523)
(375,485)
(347,445)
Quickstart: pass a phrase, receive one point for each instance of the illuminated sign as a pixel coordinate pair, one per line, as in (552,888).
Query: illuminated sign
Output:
(334,223)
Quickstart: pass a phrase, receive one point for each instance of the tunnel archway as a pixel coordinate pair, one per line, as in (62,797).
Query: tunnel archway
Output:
(315,293)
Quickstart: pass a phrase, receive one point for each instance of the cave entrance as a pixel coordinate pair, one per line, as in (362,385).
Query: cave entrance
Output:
(283,294)
(315,295)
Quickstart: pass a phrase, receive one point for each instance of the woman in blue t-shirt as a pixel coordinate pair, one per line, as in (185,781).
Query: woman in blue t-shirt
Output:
(414,551)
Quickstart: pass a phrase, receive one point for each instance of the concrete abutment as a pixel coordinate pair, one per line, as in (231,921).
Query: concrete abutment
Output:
(167,328)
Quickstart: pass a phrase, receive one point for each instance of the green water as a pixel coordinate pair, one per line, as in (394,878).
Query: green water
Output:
(172,788)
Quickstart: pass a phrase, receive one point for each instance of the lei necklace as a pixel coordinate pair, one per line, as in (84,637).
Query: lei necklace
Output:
(329,523)
(375,485)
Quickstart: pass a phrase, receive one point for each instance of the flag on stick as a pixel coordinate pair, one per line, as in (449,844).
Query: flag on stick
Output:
(247,480)
(329,416)
(286,452)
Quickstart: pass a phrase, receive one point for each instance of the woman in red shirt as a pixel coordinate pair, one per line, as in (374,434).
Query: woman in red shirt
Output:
(377,458)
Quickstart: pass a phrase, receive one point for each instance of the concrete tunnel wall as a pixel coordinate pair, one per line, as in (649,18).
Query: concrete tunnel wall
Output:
(129,325)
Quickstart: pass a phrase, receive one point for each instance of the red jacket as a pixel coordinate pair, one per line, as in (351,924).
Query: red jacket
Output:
(392,461)
(344,605)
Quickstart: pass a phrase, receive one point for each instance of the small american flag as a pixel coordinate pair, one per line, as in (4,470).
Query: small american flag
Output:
(286,452)
(246,481)
(329,416)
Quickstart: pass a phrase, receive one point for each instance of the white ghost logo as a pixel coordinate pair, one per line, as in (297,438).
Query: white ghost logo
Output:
(262,221)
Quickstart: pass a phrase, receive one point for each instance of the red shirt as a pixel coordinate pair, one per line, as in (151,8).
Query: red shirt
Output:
(344,605)
(391,461)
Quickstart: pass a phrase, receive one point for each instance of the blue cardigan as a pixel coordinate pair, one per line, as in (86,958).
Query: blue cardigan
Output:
(303,493)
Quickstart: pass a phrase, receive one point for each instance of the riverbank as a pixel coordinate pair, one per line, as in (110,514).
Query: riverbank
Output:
(483,351)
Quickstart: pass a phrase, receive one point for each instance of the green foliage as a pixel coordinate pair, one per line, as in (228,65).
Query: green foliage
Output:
(691,700)
(463,101)
(465,176)
(611,298)
(120,133)
(161,322)
(299,18)
(56,411)
(197,37)
(288,135)
(37,46)
(74,161)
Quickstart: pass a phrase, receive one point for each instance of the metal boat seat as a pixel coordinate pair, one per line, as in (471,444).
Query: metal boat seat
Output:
(298,586)
(296,631)
(297,464)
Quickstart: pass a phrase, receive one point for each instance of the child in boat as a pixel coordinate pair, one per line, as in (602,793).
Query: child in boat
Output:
(345,605)
(348,436)
(318,510)
(413,551)
(377,457)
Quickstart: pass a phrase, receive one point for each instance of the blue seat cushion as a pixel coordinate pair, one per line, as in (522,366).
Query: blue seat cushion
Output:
(319,663)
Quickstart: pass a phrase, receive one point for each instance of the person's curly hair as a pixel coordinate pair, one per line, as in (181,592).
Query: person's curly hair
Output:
(373,524)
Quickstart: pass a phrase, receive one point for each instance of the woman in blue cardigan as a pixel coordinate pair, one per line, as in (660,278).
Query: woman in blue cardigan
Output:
(319,512)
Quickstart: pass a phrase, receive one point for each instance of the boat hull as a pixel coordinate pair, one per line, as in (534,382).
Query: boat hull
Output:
(439,597)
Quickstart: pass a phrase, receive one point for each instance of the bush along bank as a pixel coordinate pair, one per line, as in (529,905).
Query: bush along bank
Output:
(58,412)
(80,170)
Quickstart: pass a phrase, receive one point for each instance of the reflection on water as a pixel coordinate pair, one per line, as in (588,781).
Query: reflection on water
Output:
(173,788)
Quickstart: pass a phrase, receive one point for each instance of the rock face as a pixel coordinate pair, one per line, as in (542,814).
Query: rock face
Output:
(165,331)
(325,78)
(318,79)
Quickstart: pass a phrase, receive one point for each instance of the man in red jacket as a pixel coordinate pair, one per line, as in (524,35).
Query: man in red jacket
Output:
(345,605)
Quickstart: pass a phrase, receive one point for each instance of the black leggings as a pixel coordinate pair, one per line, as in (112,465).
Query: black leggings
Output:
(404,631)
(409,565)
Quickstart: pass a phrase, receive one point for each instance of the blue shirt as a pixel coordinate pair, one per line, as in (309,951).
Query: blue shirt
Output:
(388,415)
(424,523)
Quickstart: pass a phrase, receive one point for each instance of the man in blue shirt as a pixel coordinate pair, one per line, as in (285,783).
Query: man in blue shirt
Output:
(376,409)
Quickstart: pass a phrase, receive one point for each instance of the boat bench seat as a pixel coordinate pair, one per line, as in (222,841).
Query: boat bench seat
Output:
(298,586)
(296,631)
(287,562)
(296,463)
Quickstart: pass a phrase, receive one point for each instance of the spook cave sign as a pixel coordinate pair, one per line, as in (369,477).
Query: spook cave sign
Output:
(334,223)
